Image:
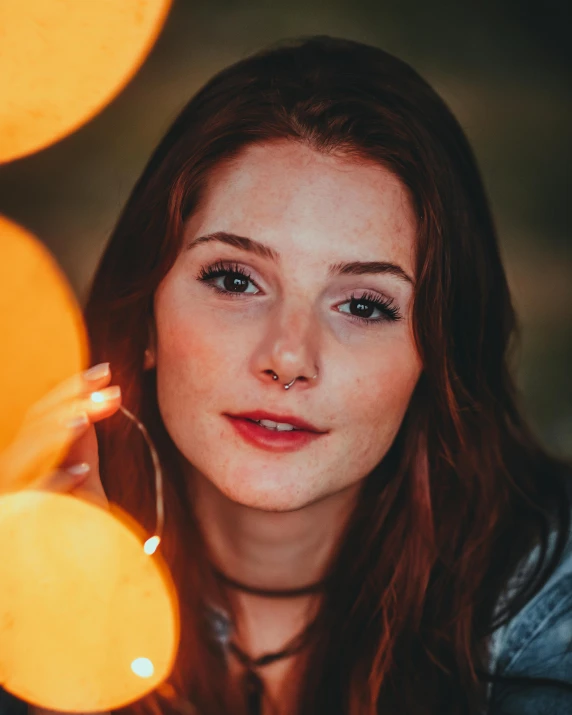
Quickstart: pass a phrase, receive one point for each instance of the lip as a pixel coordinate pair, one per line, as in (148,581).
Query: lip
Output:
(288,419)
(272,440)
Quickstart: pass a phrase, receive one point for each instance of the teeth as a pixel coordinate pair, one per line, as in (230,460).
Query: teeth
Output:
(279,426)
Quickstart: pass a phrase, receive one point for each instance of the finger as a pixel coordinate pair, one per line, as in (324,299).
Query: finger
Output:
(38,445)
(71,414)
(84,447)
(74,387)
(83,450)
(90,489)
(76,416)
(102,403)
(48,434)
(79,413)
(63,480)
(78,480)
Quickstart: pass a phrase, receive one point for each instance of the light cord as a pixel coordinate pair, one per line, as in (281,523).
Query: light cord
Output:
(159,498)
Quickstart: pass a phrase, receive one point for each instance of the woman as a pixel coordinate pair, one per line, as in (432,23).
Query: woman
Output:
(311,246)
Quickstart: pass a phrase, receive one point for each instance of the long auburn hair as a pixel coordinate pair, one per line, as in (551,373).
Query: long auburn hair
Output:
(465,490)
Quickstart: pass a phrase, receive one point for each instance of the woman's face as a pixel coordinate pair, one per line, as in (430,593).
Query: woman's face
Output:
(295,313)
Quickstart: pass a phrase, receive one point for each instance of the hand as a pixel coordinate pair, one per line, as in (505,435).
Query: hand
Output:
(68,410)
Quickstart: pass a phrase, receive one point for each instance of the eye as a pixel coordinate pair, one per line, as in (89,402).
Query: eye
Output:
(234,281)
(366,305)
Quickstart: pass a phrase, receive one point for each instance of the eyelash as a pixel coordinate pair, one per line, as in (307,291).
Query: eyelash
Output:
(219,269)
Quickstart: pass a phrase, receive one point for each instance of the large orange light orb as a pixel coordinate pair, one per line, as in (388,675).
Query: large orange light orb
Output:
(43,342)
(62,61)
(88,621)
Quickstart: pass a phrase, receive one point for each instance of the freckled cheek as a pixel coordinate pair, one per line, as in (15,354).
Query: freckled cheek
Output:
(194,362)
(194,345)
(379,404)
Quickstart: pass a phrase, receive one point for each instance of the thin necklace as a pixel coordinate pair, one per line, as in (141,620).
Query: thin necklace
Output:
(269,593)
(252,683)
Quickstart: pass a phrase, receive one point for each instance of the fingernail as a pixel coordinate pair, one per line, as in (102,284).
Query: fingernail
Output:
(97,372)
(81,420)
(78,469)
(109,393)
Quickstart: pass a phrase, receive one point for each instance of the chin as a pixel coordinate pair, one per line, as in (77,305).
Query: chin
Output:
(272,498)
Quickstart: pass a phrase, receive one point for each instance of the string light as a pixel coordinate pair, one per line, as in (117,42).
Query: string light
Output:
(153,542)
(150,546)
(142,667)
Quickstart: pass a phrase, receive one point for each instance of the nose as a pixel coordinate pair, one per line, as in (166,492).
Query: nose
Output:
(289,349)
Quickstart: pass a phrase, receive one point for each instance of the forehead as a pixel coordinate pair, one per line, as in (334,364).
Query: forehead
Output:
(295,198)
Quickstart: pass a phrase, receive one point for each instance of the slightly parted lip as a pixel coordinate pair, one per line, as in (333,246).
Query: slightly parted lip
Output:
(289,419)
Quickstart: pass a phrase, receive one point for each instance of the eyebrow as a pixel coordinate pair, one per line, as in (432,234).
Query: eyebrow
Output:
(352,268)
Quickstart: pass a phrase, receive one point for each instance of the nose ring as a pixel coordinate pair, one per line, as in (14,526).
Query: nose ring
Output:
(286,387)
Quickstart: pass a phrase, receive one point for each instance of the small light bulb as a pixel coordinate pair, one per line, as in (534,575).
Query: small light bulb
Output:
(142,667)
(150,546)
(97,397)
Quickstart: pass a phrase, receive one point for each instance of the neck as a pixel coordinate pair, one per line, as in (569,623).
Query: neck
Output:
(271,550)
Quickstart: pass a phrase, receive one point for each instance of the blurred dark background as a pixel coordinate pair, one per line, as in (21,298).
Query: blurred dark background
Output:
(503,67)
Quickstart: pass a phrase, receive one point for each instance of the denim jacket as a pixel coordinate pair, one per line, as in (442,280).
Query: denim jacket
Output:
(535,643)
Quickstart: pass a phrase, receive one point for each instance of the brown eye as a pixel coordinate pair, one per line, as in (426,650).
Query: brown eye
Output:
(362,308)
(227,279)
(235,282)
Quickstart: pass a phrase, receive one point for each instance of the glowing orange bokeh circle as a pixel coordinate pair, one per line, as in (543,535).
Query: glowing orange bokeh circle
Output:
(62,61)
(43,340)
(88,621)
